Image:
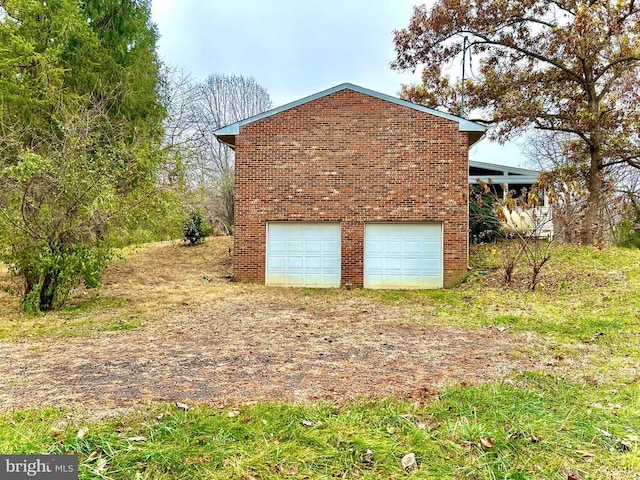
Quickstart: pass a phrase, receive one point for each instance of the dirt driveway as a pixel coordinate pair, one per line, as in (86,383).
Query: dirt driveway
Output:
(251,347)
(215,342)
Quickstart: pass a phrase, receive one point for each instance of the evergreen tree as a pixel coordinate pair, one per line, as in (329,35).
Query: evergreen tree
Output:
(80,128)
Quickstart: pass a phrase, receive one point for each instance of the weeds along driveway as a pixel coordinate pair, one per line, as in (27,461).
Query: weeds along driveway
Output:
(254,347)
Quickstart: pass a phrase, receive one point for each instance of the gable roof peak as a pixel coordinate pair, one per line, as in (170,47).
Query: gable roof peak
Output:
(227,134)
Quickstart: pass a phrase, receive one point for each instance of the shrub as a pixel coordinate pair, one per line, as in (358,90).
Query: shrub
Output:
(194,230)
(627,234)
(50,272)
(484,226)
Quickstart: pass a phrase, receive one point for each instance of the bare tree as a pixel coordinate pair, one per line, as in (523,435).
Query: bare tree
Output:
(176,91)
(196,110)
(177,95)
(568,175)
(219,101)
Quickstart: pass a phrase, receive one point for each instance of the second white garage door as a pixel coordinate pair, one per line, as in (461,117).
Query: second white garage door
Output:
(301,254)
(403,255)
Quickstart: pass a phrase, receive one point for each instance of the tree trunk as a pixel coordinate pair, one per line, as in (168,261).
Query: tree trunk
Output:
(48,291)
(595,184)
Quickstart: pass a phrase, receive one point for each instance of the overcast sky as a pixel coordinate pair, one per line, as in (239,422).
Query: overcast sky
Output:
(295,48)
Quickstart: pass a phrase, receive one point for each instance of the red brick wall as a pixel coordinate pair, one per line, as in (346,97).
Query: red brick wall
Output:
(351,158)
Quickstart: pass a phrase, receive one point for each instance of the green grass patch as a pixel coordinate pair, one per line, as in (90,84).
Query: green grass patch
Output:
(585,291)
(74,320)
(124,324)
(534,427)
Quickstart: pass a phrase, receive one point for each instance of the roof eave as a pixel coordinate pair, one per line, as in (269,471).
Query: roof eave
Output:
(229,140)
(464,125)
(501,167)
(475,136)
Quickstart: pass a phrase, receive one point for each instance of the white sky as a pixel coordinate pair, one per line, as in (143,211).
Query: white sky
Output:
(295,48)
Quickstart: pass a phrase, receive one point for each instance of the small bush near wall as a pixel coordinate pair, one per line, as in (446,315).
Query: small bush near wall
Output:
(194,229)
(484,226)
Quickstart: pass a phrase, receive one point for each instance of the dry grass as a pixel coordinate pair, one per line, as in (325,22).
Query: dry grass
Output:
(168,325)
(145,283)
(169,275)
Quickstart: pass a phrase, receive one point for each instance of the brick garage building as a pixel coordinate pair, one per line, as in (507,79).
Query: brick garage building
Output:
(350,187)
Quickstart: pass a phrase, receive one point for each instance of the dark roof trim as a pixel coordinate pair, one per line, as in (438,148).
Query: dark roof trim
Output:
(227,134)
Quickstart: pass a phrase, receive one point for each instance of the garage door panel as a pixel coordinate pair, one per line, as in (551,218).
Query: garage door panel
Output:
(413,247)
(433,265)
(294,263)
(434,249)
(376,248)
(391,264)
(314,263)
(278,262)
(375,264)
(313,246)
(312,280)
(301,254)
(294,246)
(331,263)
(391,247)
(411,265)
(278,246)
(294,278)
(278,279)
(403,255)
(330,246)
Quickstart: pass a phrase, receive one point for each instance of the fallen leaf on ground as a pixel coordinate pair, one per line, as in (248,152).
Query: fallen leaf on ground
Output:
(625,446)
(409,462)
(182,406)
(310,424)
(82,433)
(487,443)
(139,438)
(367,457)
(92,456)
(101,465)
(233,413)
(595,337)
(587,456)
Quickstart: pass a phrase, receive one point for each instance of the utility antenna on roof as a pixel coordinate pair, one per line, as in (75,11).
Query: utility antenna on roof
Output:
(465,46)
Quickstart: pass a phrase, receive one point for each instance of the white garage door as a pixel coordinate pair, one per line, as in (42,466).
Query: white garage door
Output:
(403,255)
(301,254)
